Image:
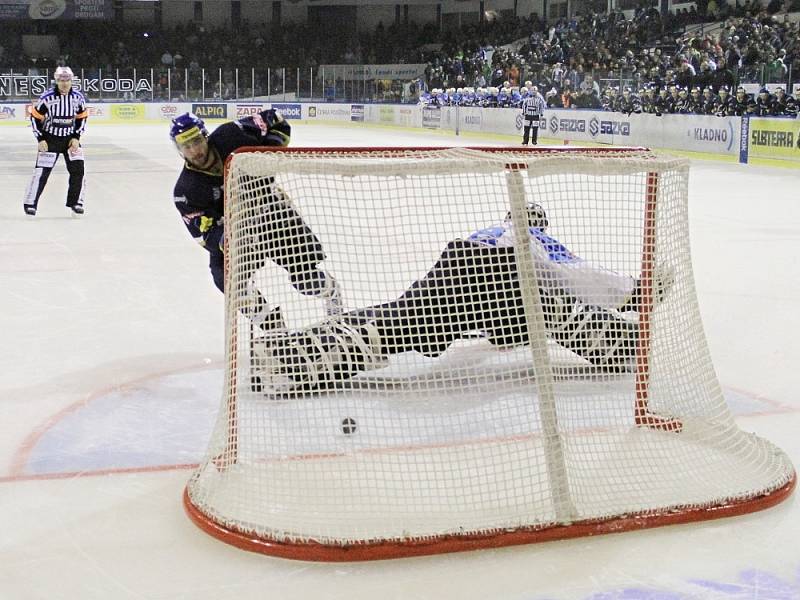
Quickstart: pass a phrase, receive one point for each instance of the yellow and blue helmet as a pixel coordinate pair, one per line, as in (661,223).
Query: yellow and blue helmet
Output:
(186,128)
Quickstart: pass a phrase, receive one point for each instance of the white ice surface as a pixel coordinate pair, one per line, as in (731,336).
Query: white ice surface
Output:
(110,362)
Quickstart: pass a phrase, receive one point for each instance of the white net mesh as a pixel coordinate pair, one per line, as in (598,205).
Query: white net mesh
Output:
(433,345)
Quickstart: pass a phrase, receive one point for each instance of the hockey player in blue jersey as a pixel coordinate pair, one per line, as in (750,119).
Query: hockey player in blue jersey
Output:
(473,289)
(504,97)
(516,98)
(490,100)
(469,98)
(279,232)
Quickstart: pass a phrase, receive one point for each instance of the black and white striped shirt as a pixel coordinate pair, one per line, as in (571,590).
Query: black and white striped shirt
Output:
(60,115)
(533,107)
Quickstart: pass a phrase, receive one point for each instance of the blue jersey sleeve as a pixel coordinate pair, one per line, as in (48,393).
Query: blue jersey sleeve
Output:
(489,236)
(556,251)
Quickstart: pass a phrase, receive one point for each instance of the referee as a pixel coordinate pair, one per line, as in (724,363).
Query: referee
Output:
(58,120)
(532,110)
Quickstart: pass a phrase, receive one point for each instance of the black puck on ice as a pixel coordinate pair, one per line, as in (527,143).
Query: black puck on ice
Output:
(349,426)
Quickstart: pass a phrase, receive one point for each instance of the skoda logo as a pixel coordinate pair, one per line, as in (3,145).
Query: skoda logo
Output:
(594,126)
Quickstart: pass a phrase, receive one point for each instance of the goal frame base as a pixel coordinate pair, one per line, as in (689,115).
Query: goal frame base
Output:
(317,552)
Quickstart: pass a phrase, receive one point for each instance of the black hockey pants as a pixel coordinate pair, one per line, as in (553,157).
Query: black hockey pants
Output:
(475,288)
(278,233)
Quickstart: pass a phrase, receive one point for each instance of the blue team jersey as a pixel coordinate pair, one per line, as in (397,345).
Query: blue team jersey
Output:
(556,251)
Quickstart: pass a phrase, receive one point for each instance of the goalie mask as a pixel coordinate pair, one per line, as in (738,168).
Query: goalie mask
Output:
(537,217)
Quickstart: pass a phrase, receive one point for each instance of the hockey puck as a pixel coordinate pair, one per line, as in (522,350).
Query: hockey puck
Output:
(349,426)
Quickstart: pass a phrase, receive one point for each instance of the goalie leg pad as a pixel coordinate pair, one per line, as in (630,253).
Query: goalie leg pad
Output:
(313,359)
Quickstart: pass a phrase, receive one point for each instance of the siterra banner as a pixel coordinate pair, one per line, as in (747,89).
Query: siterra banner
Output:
(775,138)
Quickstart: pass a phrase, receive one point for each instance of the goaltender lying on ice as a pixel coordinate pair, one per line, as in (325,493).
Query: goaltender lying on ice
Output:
(472,289)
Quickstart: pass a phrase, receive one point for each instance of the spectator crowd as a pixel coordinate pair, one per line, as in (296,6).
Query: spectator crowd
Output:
(650,62)
(643,64)
(668,99)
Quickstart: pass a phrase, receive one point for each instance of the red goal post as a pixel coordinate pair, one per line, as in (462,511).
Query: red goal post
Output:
(252,474)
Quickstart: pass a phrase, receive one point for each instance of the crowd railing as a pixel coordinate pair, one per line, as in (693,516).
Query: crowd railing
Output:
(198,84)
(350,83)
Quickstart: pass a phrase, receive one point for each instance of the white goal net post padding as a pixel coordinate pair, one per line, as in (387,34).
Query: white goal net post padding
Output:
(494,378)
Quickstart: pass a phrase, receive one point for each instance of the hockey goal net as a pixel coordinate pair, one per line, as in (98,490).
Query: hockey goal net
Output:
(512,352)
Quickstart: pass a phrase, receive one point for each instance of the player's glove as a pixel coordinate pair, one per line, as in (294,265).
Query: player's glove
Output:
(272,117)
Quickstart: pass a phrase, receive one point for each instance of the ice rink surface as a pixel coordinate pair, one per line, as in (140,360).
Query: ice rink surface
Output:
(111,354)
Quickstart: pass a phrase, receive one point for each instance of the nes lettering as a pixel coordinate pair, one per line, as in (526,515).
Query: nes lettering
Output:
(25,85)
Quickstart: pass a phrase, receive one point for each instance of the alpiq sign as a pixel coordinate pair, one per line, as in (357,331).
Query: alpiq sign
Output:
(26,85)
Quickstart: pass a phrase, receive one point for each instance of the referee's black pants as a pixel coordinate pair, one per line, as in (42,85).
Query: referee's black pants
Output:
(531,130)
(59,145)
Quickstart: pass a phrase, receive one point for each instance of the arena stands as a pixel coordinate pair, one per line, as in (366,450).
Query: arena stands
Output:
(585,61)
